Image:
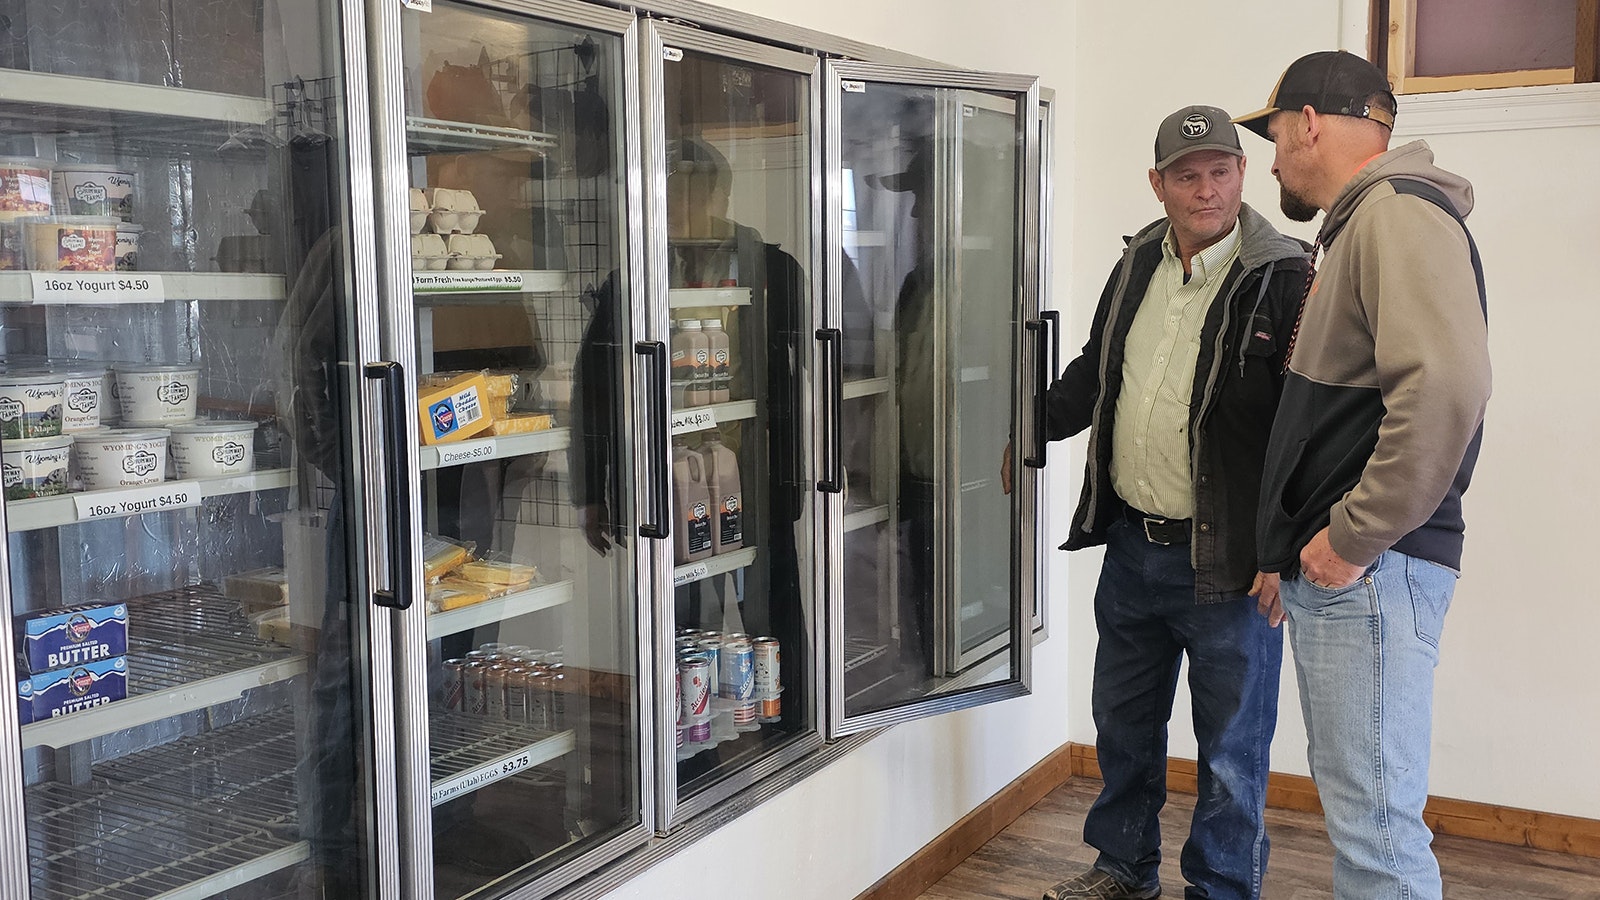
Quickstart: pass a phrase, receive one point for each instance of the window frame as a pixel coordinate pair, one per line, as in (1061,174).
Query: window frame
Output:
(1392,38)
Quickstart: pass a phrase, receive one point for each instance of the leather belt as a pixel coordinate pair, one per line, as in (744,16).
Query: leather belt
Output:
(1158,530)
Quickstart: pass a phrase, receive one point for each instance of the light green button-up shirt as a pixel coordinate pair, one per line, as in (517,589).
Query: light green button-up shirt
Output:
(1150,436)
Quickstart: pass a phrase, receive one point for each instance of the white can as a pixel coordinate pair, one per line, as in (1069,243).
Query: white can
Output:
(84,398)
(121,457)
(213,449)
(30,405)
(36,467)
(157,395)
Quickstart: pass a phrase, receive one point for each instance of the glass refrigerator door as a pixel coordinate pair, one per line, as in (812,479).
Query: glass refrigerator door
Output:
(732,161)
(521,324)
(931,246)
(182,513)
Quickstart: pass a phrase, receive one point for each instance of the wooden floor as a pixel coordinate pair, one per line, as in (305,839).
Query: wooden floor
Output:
(1045,845)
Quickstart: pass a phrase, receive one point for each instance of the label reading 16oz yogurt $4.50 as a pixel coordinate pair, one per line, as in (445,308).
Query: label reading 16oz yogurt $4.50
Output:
(97,287)
(133,501)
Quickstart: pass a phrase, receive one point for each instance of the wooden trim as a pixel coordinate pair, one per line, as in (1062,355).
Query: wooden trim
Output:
(1462,818)
(1402,43)
(1424,84)
(976,828)
(1586,58)
(1378,32)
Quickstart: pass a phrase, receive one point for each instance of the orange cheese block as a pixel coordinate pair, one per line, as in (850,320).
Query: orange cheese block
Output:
(458,409)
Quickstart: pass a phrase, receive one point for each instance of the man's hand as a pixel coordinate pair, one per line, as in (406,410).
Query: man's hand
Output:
(1324,567)
(1268,602)
(593,520)
(1005,470)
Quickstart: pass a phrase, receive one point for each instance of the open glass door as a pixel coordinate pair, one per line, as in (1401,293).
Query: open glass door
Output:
(933,187)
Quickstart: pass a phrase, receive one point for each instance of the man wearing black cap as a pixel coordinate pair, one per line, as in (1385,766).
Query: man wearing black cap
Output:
(1373,446)
(1177,384)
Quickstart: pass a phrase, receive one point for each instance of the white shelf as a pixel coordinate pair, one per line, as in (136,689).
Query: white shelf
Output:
(715,565)
(865,387)
(17,287)
(447,282)
(866,239)
(865,518)
(499,609)
(700,418)
(699,298)
(467,753)
(444,136)
(52,512)
(460,453)
(124,99)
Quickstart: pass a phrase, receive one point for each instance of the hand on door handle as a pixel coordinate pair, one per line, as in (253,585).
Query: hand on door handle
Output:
(1005,470)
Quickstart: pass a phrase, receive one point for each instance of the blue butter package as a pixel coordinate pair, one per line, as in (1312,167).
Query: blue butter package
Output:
(58,638)
(65,691)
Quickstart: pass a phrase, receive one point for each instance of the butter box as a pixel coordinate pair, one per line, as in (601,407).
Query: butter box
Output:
(51,695)
(455,410)
(58,638)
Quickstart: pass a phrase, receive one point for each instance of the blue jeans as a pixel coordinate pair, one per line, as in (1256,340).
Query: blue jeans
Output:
(1364,656)
(1147,618)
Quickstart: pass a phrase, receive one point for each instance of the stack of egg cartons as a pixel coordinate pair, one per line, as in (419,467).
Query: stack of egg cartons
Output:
(443,222)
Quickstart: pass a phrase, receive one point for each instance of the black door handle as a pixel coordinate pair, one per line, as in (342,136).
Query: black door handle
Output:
(832,340)
(657,522)
(1041,385)
(400,592)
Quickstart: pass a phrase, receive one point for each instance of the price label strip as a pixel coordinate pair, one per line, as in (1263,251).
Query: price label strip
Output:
(100,288)
(693,420)
(464,282)
(488,773)
(690,573)
(468,451)
(133,501)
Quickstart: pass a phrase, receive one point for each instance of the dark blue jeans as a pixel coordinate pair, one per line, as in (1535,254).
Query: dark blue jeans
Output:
(1148,620)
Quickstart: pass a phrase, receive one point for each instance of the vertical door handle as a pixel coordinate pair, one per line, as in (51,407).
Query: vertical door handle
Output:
(832,340)
(1039,328)
(657,522)
(400,593)
(1052,317)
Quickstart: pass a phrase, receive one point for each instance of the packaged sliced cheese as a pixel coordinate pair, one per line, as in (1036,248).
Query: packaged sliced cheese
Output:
(488,572)
(455,410)
(441,556)
(522,423)
(258,589)
(453,593)
(502,390)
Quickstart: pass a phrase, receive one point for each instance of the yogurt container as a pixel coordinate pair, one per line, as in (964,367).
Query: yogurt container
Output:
(213,449)
(24,187)
(91,190)
(110,399)
(36,467)
(120,457)
(157,395)
(83,399)
(30,405)
(72,243)
(127,255)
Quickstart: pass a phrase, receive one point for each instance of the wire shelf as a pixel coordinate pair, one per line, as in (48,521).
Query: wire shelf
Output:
(189,819)
(860,651)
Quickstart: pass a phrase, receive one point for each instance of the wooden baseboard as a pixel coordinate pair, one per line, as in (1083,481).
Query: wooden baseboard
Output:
(1462,818)
(961,840)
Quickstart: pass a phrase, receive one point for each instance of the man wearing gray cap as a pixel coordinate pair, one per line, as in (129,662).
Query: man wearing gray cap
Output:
(1372,449)
(1178,384)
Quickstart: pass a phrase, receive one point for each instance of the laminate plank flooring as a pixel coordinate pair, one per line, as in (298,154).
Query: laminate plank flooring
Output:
(1045,845)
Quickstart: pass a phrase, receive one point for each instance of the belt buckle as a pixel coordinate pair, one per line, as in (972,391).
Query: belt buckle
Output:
(1151,537)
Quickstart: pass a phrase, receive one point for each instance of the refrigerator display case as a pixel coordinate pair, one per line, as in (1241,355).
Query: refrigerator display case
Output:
(731,143)
(935,367)
(192,712)
(520,660)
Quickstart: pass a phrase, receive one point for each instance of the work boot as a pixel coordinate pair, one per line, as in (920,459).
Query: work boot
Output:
(1097,884)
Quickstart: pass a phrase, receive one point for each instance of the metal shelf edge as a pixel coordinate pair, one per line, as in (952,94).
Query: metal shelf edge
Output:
(147,99)
(863,518)
(52,512)
(716,565)
(498,609)
(865,387)
(250,871)
(17,287)
(511,445)
(552,747)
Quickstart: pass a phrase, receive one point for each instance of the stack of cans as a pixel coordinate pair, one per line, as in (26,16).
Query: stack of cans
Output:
(509,683)
(736,680)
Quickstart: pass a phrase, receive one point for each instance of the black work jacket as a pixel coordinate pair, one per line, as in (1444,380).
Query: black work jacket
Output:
(1238,378)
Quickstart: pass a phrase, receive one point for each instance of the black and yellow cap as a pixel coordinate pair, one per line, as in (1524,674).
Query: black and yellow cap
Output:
(1333,82)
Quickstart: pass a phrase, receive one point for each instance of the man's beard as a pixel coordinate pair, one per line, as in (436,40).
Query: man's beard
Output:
(1295,208)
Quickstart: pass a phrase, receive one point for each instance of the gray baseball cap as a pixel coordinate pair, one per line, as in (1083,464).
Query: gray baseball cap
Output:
(1195,128)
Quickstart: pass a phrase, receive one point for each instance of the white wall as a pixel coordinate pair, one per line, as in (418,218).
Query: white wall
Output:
(836,833)
(1517,715)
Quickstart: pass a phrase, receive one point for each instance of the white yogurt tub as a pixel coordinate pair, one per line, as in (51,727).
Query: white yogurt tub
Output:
(93,190)
(36,467)
(213,449)
(30,405)
(127,256)
(83,398)
(72,243)
(110,399)
(121,457)
(157,395)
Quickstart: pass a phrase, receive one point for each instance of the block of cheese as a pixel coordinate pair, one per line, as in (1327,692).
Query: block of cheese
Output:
(522,423)
(502,390)
(453,593)
(440,557)
(258,589)
(488,572)
(272,627)
(455,410)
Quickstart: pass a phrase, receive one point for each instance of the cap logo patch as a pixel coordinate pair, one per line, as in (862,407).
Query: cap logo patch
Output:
(1195,127)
